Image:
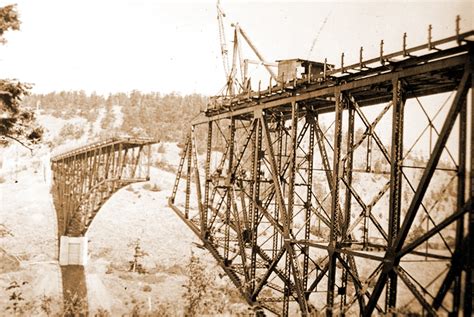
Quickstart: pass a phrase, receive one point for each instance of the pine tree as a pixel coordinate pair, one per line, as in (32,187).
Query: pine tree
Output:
(16,122)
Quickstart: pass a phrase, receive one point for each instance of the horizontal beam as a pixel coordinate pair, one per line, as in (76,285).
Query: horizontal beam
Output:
(128,142)
(328,91)
(408,52)
(339,250)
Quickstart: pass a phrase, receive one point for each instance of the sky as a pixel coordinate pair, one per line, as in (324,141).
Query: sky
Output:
(173,46)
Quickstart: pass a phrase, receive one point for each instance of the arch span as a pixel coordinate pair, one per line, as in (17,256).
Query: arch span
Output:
(83,180)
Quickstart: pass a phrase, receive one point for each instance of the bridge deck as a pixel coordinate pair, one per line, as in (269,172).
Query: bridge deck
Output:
(90,148)
(425,71)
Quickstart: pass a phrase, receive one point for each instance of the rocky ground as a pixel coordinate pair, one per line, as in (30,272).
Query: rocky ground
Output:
(136,214)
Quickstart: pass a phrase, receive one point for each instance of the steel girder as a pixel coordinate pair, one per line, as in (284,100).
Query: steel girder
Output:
(278,198)
(85,178)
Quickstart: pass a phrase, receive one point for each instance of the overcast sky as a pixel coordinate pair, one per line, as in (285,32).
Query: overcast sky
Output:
(121,45)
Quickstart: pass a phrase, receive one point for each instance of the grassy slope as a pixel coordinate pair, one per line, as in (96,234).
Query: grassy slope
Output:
(133,212)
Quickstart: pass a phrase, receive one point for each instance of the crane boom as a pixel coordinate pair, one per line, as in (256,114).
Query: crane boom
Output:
(257,53)
(224,51)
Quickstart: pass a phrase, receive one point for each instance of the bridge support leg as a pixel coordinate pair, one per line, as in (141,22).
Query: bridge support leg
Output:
(398,103)
(335,219)
(469,276)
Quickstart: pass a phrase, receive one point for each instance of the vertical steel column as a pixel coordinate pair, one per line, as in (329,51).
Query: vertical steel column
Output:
(398,103)
(334,203)
(121,162)
(251,145)
(348,167)
(61,183)
(461,187)
(65,186)
(67,189)
(469,279)
(117,154)
(207,181)
(114,164)
(100,174)
(188,176)
(309,195)
(281,134)
(70,226)
(74,172)
(80,181)
(148,165)
(197,182)
(229,183)
(107,162)
(368,166)
(292,167)
(291,196)
(256,167)
(180,171)
(348,198)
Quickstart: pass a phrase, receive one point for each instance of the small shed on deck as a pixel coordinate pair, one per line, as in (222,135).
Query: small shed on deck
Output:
(297,68)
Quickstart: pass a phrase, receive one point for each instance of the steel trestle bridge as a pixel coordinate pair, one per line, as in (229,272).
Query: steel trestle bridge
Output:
(280,198)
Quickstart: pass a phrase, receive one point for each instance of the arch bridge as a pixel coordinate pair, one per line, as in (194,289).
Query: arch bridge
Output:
(86,177)
(83,180)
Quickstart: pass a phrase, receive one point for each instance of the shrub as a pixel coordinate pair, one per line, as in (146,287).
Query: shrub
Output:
(70,131)
(152,188)
(74,305)
(161,148)
(140,308)
(202,297)
(139,254)
(17,304)
(165,166)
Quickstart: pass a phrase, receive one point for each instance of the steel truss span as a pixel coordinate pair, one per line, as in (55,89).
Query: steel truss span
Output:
(85,178)
(315,196)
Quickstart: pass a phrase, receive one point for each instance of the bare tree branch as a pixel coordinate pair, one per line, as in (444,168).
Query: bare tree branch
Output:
(17,140)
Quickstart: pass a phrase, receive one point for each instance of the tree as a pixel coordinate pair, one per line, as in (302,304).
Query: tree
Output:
(16,122)
(203,296)
(8,20)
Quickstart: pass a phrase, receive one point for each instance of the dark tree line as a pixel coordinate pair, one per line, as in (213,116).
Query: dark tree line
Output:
(165,117)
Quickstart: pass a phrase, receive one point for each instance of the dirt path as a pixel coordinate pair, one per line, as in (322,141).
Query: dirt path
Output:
(74,288)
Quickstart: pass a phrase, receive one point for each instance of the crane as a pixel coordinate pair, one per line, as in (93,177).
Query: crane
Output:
(231,71)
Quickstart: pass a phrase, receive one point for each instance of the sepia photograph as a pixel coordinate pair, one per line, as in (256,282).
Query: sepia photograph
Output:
(236,158)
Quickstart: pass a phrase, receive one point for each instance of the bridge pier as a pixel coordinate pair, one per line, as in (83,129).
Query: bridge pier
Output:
(73,251)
